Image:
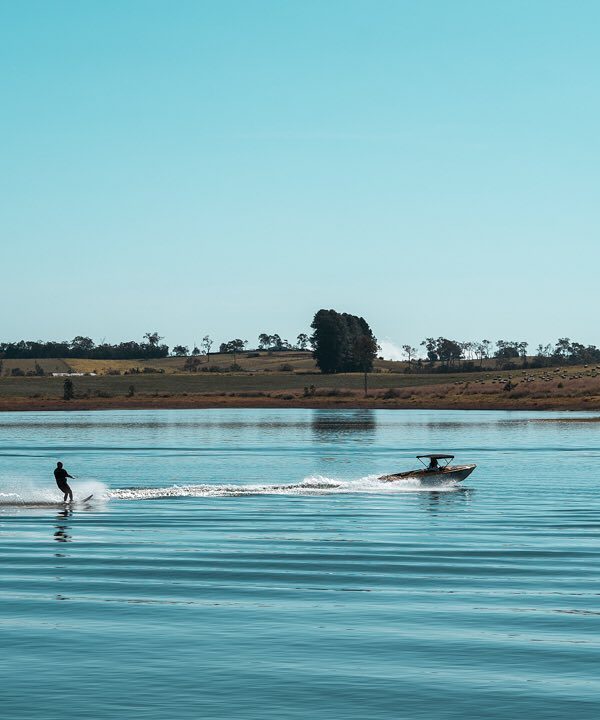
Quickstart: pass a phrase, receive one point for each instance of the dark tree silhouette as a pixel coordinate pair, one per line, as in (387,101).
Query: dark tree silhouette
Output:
(335,342)
(233,346)
(365,352)
(302,341)
(68,389)
(264,341)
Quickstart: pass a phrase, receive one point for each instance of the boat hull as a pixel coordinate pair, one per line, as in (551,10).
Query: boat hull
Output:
(450,473)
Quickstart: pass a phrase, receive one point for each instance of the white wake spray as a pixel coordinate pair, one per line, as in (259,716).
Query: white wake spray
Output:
(26,491)
(318,485)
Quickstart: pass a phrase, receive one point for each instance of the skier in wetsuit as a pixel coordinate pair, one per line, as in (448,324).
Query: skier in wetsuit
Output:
(61,475)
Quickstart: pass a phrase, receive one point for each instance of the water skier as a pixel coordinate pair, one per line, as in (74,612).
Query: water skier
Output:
(61,475)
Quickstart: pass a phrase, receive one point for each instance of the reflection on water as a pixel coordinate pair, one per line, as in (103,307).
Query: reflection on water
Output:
(62,533)
(328,425)
(436,501)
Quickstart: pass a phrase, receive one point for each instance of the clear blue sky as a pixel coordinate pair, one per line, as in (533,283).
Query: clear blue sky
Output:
(230,167)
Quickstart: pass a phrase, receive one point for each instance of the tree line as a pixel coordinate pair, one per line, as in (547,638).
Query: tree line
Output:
(442,354)
(85,347)
(340,342)
(150,347)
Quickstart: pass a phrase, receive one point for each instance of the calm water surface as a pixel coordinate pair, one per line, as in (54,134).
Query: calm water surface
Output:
(247,564)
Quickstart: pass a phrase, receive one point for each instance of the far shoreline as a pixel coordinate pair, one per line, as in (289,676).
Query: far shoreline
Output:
(211,402)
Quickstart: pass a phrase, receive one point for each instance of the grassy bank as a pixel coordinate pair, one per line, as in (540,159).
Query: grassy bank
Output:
(291,380)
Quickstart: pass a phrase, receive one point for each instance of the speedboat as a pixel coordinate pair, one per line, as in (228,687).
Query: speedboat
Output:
(434,472)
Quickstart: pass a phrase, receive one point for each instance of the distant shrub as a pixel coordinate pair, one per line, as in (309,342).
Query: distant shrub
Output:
(252,354)
(113,371)
(390,394)
(131,391)
(234,367)
(102,394)
(17,372)
(286,367)
(309,391)
(211,368)
(192,364)
(68,389)
(149,370)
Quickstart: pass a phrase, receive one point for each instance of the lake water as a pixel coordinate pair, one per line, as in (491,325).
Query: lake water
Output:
(247,564)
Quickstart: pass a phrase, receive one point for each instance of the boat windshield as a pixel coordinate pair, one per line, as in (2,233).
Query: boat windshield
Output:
(432,462)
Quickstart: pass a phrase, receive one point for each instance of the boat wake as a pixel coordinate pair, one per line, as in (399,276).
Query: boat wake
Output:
(318,485)
(26,493)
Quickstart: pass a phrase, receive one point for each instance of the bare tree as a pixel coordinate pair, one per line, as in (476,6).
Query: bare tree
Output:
(487,348)
(480,352)
(544,351)
(410,353)
(467,348)
(206,345)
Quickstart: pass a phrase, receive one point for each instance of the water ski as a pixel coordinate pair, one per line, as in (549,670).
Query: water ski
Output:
(89,497)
